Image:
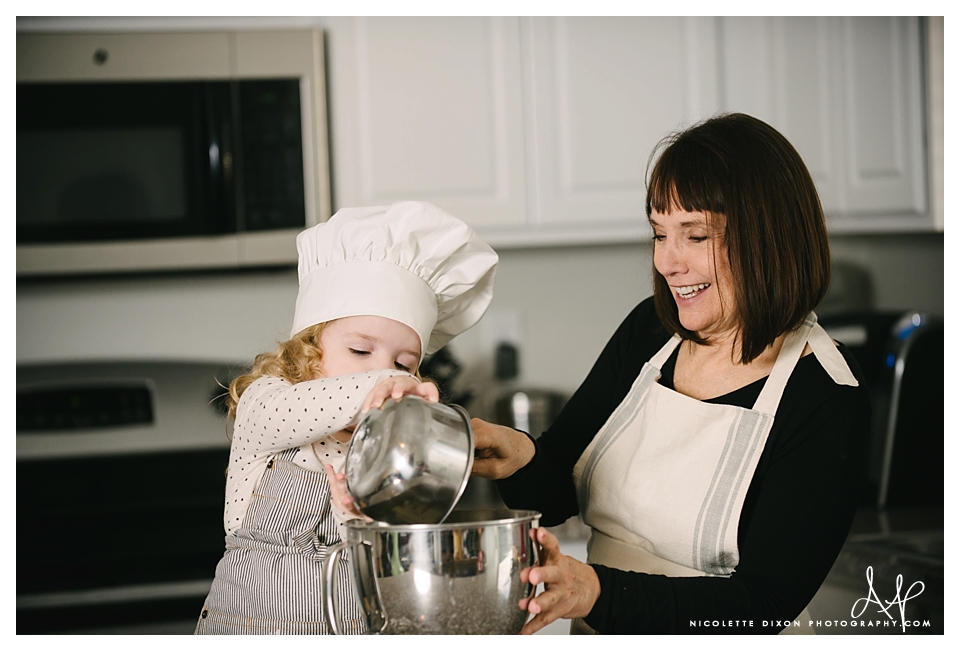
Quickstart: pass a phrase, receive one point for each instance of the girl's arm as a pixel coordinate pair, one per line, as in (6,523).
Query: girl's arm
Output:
(275,415)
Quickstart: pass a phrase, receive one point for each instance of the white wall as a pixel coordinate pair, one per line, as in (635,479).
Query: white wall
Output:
(560,303)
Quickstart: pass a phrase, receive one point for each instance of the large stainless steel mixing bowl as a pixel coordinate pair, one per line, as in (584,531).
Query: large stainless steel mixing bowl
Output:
(409,461)
(461,577)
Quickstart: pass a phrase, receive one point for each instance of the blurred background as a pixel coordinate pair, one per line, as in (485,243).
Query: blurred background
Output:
(536,131)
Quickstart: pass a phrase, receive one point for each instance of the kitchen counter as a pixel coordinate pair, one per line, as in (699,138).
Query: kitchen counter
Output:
(895,546)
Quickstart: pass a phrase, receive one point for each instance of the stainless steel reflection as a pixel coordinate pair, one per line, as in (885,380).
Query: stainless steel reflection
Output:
(409,461)
(461,577)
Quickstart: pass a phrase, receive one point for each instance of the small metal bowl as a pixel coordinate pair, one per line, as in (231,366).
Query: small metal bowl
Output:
(409,461)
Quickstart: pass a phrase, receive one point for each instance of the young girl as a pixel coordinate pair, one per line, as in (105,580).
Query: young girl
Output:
(379,288)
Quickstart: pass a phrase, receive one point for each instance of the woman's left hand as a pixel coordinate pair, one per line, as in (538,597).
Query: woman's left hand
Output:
(571,587)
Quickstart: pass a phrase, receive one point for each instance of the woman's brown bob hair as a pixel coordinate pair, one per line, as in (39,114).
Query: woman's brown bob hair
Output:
(737,166)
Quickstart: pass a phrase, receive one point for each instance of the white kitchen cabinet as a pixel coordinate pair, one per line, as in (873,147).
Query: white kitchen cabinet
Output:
(602,92)
(429,108)
(537,131)
(848,93)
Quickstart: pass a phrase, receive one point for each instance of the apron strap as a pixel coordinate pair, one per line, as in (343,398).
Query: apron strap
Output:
(790,353)
(658,360)
(809,332)
(830,358)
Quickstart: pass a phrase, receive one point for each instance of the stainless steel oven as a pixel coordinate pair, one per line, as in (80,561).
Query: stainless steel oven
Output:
(120,488)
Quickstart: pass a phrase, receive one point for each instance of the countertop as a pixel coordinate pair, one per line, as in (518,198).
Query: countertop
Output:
(888,552)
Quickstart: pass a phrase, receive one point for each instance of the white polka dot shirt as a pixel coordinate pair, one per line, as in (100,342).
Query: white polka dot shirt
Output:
(274,415)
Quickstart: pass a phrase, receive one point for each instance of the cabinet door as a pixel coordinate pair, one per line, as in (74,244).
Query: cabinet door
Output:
(429,108)
(604,92)
(883,117)
(847,93)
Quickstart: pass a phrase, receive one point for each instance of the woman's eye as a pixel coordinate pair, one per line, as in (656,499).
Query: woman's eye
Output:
(699,238)
(659,238)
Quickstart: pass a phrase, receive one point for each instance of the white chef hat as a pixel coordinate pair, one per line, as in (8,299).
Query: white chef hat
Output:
(411,262)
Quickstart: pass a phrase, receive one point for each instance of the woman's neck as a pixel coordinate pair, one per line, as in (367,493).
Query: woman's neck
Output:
(714,369)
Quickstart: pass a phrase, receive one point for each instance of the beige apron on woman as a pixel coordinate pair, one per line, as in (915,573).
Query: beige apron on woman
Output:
(663,482)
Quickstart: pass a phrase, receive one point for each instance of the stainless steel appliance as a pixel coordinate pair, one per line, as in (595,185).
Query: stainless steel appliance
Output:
(147,152)
(120,488)
(901,355)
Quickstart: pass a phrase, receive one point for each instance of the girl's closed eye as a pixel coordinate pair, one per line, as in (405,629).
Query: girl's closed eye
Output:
(357,351)
(401,367)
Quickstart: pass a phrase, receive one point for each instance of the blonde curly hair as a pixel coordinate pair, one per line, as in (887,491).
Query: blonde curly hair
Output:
(295,360)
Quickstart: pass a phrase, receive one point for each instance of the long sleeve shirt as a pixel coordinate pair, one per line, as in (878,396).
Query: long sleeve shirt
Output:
(274,415)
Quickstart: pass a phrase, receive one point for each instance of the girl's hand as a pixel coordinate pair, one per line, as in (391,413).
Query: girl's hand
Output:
(571,587)
(398,386)
(499,451)
(339,496)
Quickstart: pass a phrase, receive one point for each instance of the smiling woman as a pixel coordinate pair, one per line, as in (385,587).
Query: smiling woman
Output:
(716,447)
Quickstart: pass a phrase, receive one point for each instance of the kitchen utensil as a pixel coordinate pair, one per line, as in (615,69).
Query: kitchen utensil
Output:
(461,577)
(409,461)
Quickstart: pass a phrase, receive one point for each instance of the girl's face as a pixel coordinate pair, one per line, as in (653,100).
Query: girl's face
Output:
(356,344)
(691,254)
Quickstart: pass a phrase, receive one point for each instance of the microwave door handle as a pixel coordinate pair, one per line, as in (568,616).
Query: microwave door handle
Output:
(221,201)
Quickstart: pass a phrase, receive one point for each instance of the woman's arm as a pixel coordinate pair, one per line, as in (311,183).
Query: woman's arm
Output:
(545,483)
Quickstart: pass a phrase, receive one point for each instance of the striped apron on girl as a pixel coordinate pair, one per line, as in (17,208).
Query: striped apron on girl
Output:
(270,580)
(663,482)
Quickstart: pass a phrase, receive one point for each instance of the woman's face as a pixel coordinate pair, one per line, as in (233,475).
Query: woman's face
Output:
(691,254)
(356,344)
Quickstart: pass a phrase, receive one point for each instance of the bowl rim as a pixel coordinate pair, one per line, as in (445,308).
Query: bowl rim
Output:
(516,516)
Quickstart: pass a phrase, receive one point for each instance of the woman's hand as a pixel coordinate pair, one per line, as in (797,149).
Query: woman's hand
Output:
(571,587)
(339,495)
(500,451)
(398,386)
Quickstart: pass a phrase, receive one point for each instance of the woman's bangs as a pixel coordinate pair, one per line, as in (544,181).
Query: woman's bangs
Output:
(675,186)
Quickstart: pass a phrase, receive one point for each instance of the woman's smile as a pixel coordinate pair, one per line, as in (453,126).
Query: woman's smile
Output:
(690,253)
(688,292)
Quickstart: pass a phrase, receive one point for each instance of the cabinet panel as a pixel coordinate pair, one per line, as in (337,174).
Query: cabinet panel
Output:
(883,116)
(604,92)
(67,57)
(784,71)
(847,93)
(430,108)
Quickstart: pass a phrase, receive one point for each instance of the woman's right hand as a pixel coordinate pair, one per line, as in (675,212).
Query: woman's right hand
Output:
(500,451)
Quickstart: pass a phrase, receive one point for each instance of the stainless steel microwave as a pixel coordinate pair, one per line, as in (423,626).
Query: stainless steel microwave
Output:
(153,152)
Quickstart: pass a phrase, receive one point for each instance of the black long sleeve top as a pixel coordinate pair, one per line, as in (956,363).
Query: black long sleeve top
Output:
(795,517)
